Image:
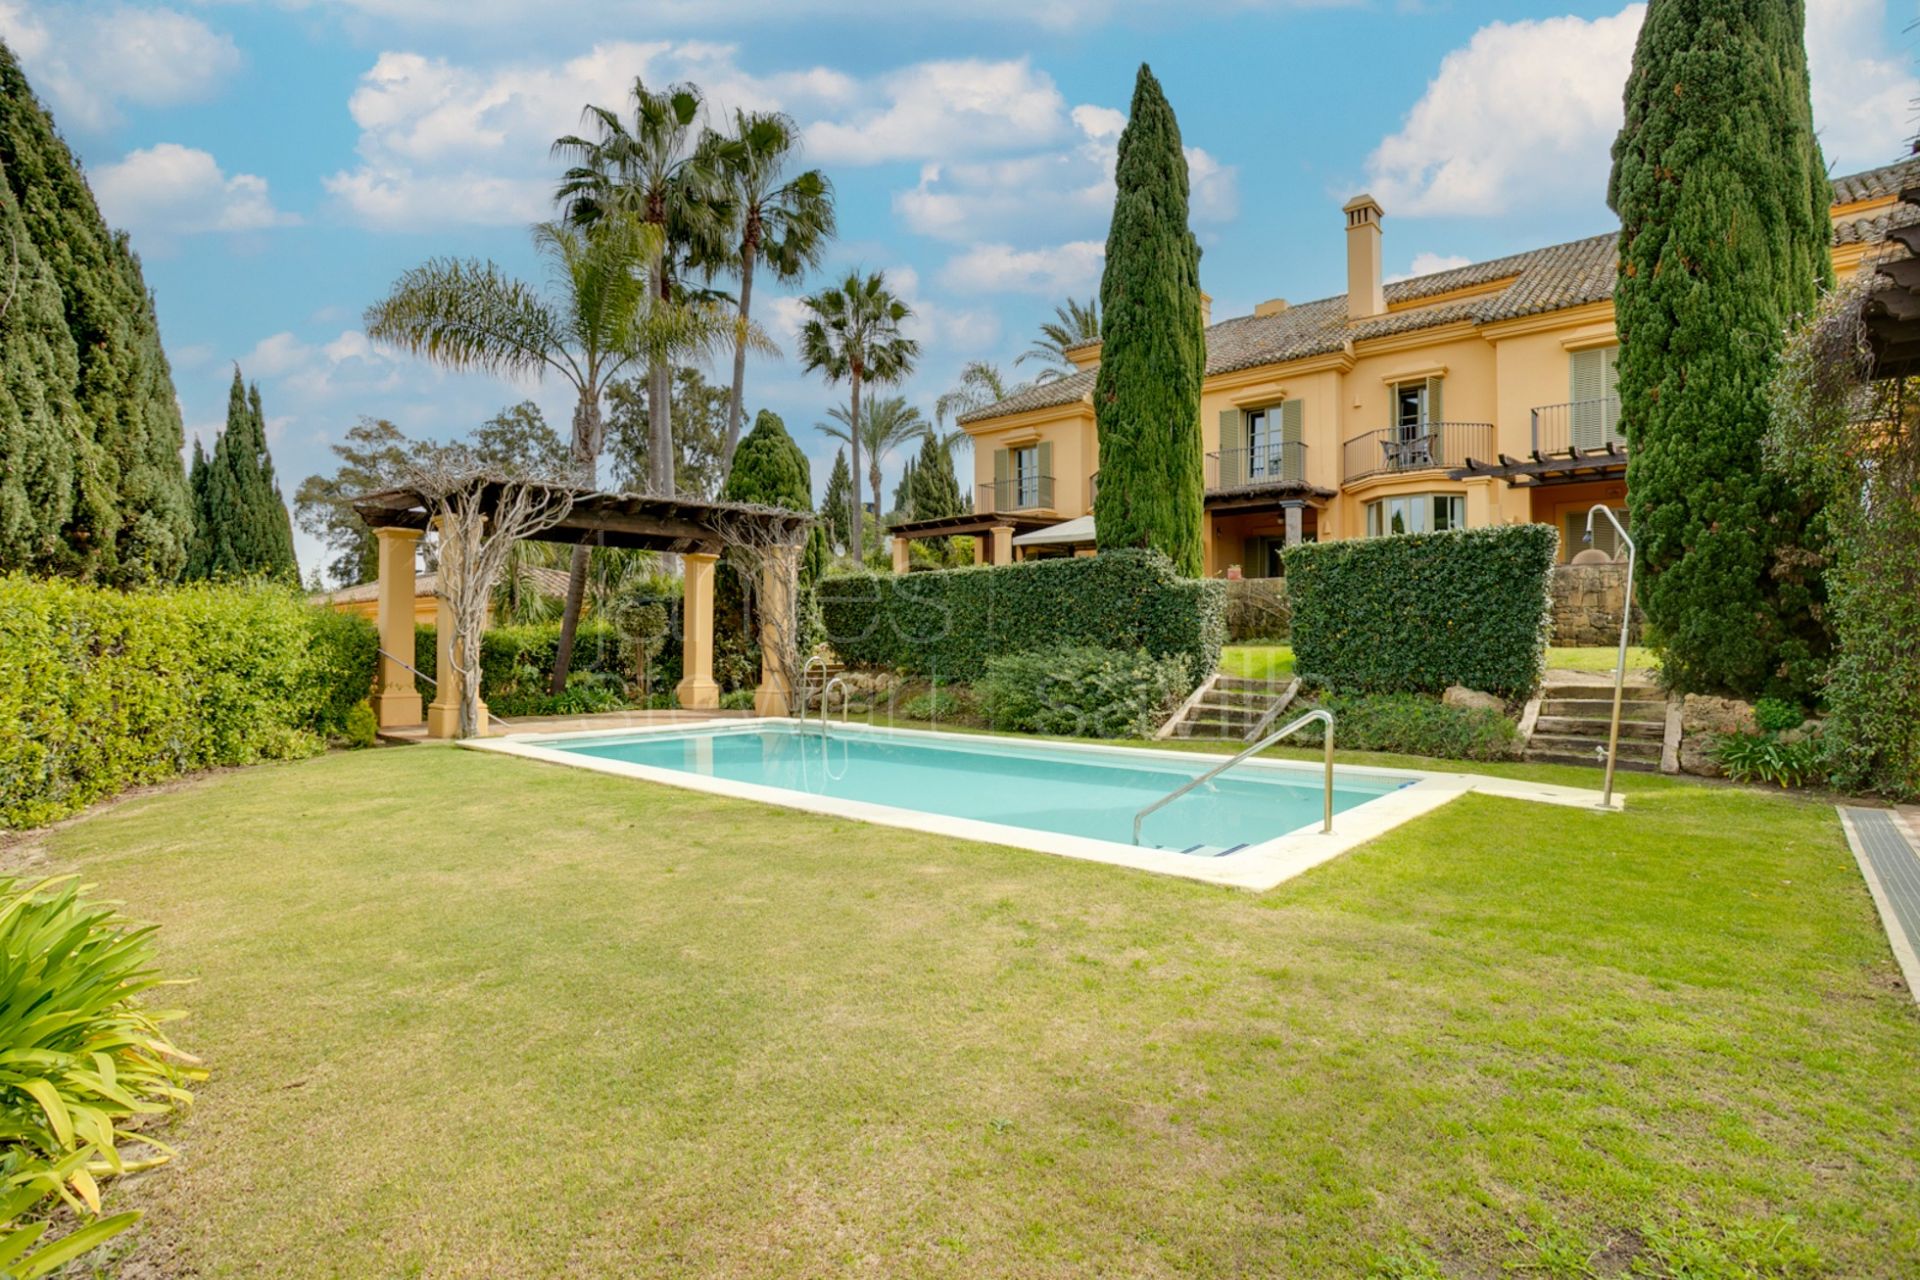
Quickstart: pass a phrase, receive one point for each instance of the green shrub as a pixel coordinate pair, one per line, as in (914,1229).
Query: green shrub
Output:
(953,622)
(737,700)
(1776,715)
(935,704)
(1766,757)
(101,690)
(1418,612)
(362,728)
(516,668)
(1417,725)
(80,1057)
(1083,692)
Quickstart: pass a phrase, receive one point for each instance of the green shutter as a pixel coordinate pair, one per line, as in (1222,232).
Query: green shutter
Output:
(1043,460)
(1233,449)
(1433,401)
(1588,371)
(1610,388)
(1293,434)
(1002,469)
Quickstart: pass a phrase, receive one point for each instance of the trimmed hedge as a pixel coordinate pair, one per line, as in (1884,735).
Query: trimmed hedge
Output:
(1416,724)
(953,622)
(101,690)
(516,665)
(1418,612)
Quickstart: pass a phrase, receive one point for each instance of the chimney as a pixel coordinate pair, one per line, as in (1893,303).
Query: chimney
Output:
(1206,309)
(1366,296)
(1271,307)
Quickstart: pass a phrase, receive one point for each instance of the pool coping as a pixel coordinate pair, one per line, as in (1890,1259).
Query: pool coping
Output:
(1257,867)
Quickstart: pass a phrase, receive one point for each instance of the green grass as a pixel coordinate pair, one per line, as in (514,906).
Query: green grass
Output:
(472,1016)
(1275,661)
(1597,658)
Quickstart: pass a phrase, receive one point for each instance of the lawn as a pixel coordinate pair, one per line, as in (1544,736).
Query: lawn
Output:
(1275,661)
(473,1016)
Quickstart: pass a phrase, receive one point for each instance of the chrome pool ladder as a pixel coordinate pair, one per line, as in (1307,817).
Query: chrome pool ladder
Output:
(1326,821)
(845,698)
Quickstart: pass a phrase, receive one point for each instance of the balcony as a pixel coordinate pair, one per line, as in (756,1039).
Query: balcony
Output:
(1431,446)
(1274,463)
(1021,493)
(1585,425)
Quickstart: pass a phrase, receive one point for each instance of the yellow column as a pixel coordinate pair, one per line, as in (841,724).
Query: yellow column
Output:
(1003,544)
(900,557)
(979,548)
(1480,504)
(696,688)
(779,588)
(443,714)
(395,699)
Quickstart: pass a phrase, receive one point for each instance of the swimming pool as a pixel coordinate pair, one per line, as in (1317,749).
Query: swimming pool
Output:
(1253,826)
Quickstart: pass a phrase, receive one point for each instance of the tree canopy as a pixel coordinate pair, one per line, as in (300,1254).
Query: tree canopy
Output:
(1724,240)
(240,523)
(91,482)
(769,469)
(1146,396)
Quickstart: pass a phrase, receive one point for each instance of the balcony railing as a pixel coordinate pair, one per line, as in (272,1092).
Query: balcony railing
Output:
(1579,424)
(1431,446)
(1276,462)
(1021,493)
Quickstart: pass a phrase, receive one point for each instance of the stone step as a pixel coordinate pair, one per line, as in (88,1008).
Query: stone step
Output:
(1569,744)
(1603,689)
(1588,760)
(1596,727)
(1244,700)
(1209,730)
(1240,684)
(1630,708)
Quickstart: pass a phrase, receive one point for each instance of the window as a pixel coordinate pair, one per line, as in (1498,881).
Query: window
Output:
(1409,410)
(1275,448)
(1605,538)
(1595,391)
(1026,477)
(1416,513)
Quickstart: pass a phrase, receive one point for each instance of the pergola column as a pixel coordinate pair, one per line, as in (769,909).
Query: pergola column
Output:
(1002,535)
(1294,522)
(443,714)
(696,689)
(779,636)
(396,700)
(900,557)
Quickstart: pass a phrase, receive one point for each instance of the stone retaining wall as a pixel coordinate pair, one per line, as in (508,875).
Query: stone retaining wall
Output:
(1587,599)
(1257,609)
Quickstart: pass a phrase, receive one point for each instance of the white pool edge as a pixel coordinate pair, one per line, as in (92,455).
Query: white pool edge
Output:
(1259,867)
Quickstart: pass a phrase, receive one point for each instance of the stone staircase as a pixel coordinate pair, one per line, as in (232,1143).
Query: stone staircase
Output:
(1229,709)
(1575,711)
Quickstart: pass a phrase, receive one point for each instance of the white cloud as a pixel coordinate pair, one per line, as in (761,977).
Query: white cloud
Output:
(1426,264)
(443,143)
(966,107)
(170,190)
(87,61)
(1071,268)
(1862,97)
(1525,114)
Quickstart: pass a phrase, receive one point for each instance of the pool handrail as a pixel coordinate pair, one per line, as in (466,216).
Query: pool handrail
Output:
(806,676)
(845,699)
(1326,821)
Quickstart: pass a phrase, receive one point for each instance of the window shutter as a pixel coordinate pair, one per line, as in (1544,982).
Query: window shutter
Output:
(1002,470)
(1293,458)
(1610,388)
(1588,372)
(1043,483)
(1233,449)
(1433,401)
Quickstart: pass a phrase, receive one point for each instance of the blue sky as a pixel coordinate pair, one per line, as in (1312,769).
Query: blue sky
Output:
(278,164)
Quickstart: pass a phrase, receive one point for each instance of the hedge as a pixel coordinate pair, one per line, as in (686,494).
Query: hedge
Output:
(952,622)
(101,690)
(1418,612)
(516,664)
(1083,692)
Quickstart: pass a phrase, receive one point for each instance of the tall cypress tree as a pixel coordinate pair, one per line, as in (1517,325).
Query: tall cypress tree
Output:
(91,483)
(1153,352)
(1724,235)
(769,469)
(836,504)
(933,491)
(241,524)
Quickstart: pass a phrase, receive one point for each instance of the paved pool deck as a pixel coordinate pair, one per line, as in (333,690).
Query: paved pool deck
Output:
(1886,844)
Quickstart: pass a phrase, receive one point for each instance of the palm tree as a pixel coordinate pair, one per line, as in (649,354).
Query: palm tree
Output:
(854,333)
(786,223)
(889,423)
(468,314)
(1074,322)
(980,385)
(657,173)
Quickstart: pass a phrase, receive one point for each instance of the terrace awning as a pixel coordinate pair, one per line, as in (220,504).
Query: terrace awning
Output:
(1573,466)
(1077,532)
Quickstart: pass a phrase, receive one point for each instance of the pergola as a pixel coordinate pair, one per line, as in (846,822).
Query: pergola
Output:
(696,531)
(993,533)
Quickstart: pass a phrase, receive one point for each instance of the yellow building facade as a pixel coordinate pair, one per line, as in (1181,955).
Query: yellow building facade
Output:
(1475,396)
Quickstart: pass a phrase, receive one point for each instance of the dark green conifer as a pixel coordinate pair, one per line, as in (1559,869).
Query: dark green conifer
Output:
(1153,349)
(1724,240)
(241,523)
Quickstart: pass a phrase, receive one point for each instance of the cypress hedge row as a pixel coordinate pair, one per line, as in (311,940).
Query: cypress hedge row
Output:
(101,690)
(1418,612)
(951,623)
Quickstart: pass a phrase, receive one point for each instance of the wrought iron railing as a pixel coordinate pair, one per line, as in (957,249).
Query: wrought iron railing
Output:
(1431,446)
(1578,424)
(1020,493)
(1276,462)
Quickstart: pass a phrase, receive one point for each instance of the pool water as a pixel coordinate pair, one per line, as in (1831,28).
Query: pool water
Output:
(1063,789)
